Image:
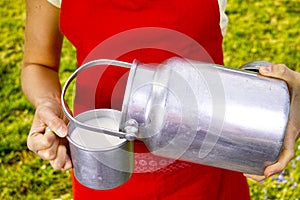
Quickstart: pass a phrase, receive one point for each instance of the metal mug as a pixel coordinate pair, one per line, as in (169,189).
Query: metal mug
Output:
(100,161)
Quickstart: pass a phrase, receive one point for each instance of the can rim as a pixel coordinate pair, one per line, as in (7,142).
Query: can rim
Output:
(128,90)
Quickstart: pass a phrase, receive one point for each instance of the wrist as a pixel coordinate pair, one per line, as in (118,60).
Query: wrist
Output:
(47,99)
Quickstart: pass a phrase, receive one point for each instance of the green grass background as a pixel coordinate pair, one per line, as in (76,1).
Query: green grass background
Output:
(258,30)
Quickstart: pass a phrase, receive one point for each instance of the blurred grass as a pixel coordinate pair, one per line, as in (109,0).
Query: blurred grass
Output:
(263,30)
(22,174)
(258,30)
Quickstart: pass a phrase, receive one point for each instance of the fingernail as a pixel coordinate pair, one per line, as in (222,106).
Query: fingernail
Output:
(270,174)
(266,69)
(62,131)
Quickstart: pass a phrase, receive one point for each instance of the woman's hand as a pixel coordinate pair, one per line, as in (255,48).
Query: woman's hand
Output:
(292,78)
(50,145)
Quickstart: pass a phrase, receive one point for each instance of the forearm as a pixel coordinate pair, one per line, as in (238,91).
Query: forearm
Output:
(40,84)
(42,49)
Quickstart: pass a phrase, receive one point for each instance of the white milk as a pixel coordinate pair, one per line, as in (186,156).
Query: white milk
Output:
(90,139)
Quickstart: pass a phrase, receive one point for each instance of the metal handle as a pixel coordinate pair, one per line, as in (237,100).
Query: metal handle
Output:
(128,135)
(255,65)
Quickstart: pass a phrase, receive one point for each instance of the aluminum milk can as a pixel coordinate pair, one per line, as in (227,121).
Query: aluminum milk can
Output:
(208,114)
(199,112)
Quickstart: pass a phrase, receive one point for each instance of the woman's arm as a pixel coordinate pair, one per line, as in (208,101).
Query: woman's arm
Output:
(43,42)
(40,82)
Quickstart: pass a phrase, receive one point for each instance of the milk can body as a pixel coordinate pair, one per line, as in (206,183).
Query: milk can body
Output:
(208,114)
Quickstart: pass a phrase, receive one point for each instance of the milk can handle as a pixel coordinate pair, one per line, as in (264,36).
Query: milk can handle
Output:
(128,136)
(255,65)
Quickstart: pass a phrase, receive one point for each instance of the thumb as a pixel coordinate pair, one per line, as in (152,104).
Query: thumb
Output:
(279,71)
(55,123)
(58,126)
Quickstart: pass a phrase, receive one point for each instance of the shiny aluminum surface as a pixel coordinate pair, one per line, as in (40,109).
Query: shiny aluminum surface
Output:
(101,168)
(208,114)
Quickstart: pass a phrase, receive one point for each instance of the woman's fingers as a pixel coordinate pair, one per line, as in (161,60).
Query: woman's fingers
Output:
(43,144)
(61,160)
(287,152)
(292,78)
(49,146)
(255,177)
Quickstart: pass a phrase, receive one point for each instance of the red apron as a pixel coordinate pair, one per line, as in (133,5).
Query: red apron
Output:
(150,31)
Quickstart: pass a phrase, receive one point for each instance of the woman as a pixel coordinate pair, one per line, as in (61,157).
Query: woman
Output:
(99,29)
